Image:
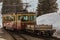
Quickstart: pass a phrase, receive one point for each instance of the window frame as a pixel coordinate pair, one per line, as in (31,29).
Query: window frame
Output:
(31,17)
(27,17)
(9,19)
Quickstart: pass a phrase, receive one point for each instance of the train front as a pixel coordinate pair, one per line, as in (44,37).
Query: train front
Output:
(8,21)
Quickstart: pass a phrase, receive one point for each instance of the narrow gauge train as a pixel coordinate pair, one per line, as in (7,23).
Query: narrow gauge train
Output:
(26,21)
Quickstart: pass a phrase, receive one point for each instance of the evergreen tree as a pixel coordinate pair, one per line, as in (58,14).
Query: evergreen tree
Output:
(46,6)
(11,6)
(1,0)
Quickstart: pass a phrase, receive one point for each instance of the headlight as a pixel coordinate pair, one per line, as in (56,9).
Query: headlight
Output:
(8,23)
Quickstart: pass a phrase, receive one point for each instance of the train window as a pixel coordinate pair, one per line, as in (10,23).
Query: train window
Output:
(19,17)
(32,18)
(10,18)
(25,18)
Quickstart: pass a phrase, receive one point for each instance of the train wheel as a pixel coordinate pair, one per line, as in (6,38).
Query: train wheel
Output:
(4,27)
(43,33)
(36,32)
(48,34)
(40,33)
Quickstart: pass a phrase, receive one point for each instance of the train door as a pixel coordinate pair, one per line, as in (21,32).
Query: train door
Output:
(31,23)
(24,19)
(21,22)
(18,22)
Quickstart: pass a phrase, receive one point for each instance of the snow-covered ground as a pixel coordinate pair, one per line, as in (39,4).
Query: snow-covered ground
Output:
(52,18)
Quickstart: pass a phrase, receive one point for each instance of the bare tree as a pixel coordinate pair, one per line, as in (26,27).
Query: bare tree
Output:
(46,6)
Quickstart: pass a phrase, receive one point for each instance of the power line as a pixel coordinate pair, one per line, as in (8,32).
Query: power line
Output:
(14,4)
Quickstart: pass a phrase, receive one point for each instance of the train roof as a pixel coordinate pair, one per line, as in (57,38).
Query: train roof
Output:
(21,13)
(25,13)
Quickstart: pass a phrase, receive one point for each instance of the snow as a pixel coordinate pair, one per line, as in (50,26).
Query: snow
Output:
(51,18)
(1,15)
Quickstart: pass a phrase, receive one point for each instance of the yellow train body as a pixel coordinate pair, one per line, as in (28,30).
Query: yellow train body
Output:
(18,20)
(25,21)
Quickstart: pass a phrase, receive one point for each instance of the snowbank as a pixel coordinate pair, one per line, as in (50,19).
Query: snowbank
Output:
(52,18)
(0,14)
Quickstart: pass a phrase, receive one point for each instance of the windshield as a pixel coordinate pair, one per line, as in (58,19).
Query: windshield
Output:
(10,18)
(25,18)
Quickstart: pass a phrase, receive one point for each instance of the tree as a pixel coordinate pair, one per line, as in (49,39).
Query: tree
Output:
(11,6)
(1,0)
(46,6)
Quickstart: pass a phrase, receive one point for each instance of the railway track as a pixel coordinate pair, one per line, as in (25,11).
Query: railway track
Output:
(15,35)
(41,38)
(52,38)
(37,37)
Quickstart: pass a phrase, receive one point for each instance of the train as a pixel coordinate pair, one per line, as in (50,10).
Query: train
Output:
(26,21)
